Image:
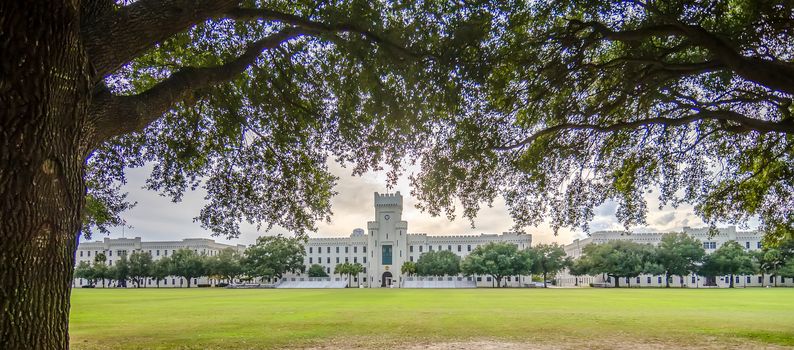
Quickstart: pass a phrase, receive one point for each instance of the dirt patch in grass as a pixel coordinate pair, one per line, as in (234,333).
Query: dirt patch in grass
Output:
(605,344)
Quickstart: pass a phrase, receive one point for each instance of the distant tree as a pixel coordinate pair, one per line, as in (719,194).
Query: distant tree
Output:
(348,269)
(140,267)
(354,270)
(121,271)
(226,265)
(616,259)
(729,259)
(787,270)
(316,270)
(188,264)
(408,268)
(579,267)
(101,270)
(273,256)
(497,260)
(548,259)
(678,254)
(161,269)
(85,271)
(438,263)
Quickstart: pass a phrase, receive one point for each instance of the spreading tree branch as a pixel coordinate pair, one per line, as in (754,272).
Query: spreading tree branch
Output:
(118,115)
(742,124)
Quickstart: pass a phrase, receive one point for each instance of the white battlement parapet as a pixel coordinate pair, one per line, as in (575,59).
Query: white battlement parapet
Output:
(389,199)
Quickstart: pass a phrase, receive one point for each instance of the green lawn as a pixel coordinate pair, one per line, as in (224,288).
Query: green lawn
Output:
(252,319)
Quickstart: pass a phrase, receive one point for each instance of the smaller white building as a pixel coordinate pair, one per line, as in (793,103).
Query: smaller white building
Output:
(750,240)
(114,248)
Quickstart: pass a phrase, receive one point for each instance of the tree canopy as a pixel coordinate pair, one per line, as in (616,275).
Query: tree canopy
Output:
(188,264)
(617,259)
(438,263)
(316,270)
(273,256)
(678,254)
(729,259)
(497,259)
(548,259)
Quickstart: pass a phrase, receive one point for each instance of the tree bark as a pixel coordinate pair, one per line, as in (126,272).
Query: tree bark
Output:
(44,98)
(667,279)
(731,285)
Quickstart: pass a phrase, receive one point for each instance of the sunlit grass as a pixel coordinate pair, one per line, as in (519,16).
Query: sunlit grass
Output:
(250,319)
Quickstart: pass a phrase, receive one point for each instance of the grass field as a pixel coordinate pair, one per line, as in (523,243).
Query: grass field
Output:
(383,318)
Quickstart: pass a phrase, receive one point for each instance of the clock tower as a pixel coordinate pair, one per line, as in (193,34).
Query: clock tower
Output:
(386,242)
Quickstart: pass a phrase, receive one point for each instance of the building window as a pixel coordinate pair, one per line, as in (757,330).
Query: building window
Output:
(346,248)
(748,279)
(327,270)
(747,245)
(355,249)
(110,262)
(355,259)
(693,279)
(386,255)
(648,280)
(449,247)
(365,249)
(110,253)
(469,247)
(328,260)
(758,245)
(365,259)
(81,253)
(459,248)
(439,248)
(420,248)
(659,280)
(709,245)
(310,250)
(337,259)
(158,252)
(410,249)
(638,279)
(89,254)
(310,260)
(346,259)
(412,258)
(760,279)
(337,250)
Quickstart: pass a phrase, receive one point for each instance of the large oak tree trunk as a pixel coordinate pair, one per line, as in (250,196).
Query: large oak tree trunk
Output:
(43,103)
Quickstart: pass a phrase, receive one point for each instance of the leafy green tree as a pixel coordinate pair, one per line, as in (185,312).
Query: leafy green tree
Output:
(161,269)
(584,102)
(225,265)
(85,271)
(548,259)
(729,259)
(438,263)
(354,270)
(188,264)
(247,99)
(678,254)
(616,259)
(273,256)
(408,268)
(140,267)
(348,269)
(120,271)
(496,259)
(317,270)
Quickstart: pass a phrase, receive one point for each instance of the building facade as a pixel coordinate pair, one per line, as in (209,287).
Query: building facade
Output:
(750,240)
(115,248)
(386,245)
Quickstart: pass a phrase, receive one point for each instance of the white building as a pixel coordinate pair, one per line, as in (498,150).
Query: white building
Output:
(114,248)
(750,240)
(386,245)
(382,249)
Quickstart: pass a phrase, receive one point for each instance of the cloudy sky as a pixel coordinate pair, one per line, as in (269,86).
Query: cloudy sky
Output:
(157,218)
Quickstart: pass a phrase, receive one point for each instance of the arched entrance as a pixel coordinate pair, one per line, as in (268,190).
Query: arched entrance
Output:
(386,279)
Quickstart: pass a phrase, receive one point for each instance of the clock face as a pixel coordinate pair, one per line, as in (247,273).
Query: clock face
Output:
(387,217)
